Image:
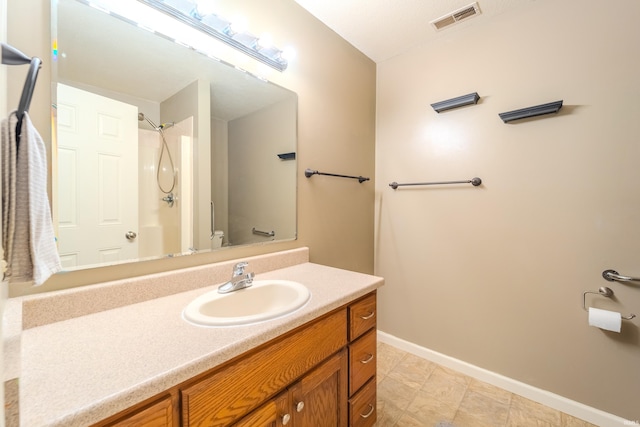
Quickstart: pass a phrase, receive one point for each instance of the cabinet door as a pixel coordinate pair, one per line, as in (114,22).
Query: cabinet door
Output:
(319,398)
(274,413)
(159,414)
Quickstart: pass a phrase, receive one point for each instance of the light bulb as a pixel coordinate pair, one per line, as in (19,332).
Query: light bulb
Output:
(205,7)
(264,42)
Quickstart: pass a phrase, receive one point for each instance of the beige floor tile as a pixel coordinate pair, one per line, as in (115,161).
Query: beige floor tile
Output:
(409,421)
(388,357)
(491,391)
(445,387)
(415,392)
(464,419)
(484,409)
(525,412)
(412,371)
(396,392)
(388,414)
(454,375)
(569,421)
(429,410)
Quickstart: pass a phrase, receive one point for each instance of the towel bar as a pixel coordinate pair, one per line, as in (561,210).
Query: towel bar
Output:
(474,181)
(263,233)
(309,173)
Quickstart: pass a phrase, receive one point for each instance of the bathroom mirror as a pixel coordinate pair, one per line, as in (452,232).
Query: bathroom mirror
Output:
(161,150)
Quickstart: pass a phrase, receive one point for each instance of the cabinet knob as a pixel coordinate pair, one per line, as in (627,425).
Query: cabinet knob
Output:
(285,419)
(299,406)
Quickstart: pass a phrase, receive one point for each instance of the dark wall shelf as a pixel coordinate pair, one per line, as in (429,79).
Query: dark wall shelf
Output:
(460,101)
(538,110)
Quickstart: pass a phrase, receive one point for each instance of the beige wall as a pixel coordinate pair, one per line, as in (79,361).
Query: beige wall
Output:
(494,275)
(336,112)
(268,202)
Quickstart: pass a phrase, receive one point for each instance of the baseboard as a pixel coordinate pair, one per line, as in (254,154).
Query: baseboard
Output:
(568,406)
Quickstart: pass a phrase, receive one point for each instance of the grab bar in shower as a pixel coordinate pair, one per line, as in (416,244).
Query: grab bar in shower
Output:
(473,181)
(309,173)
(263,233)
(613,276)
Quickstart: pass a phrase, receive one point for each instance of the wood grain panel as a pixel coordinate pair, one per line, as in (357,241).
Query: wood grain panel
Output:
(323,394)
(362,407)
(362,361)
(362,316)
(228,394)
(159,414)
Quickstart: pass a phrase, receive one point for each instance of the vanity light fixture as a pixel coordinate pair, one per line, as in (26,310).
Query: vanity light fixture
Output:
(193,14)
(460,101)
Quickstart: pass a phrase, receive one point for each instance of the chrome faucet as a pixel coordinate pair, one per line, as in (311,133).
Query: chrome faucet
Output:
(239,279)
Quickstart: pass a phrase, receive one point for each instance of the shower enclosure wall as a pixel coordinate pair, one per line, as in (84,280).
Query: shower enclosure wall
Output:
(163,216)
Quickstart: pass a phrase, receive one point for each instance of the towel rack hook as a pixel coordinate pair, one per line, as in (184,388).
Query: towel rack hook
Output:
(13,56)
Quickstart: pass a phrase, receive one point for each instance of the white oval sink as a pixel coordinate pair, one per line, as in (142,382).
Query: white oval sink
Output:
(263,300)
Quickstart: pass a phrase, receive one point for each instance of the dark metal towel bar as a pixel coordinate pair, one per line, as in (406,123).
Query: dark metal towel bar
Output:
(309,173)
(474,181)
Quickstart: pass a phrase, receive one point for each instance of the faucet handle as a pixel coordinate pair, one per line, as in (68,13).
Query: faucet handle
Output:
(238,269)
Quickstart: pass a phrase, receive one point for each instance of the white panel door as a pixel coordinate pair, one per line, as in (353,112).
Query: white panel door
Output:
(97,178)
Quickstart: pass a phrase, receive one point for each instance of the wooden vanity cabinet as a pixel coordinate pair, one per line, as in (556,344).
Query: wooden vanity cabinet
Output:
(228,394)
(321,374)
(362,361)
(317,400)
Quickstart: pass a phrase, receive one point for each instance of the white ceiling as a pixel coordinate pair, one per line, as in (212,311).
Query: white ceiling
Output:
(382,29)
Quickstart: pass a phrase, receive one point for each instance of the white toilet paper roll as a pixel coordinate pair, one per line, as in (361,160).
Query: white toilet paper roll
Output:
(605,319)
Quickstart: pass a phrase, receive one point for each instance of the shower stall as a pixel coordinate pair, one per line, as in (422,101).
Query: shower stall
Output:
(165,187)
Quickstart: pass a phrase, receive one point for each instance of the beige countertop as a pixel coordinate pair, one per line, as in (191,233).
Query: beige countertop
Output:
(81,370)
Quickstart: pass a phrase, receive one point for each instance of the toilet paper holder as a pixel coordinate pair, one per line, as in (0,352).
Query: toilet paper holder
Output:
(605,292)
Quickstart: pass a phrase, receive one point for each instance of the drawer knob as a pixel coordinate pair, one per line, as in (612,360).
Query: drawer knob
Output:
(299,406)
(368,414)
(368,316)
(368,359)
(285,419)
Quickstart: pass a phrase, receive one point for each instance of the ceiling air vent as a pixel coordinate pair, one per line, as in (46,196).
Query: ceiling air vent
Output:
(456,16)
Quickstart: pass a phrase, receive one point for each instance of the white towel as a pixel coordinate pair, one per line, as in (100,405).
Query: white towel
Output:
(28,236)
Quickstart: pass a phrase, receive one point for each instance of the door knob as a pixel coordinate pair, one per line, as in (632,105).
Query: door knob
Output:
(299,406)
(130,235)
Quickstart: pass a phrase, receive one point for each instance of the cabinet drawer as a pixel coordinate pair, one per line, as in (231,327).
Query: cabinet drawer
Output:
(362,316)
(362,361)
(243,385)
(362,406)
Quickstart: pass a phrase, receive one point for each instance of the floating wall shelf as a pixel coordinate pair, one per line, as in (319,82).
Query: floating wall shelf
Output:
(287,156)
(538,110)
(460,101)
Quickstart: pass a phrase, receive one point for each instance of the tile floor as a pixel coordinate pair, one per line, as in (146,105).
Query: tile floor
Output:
(414,392)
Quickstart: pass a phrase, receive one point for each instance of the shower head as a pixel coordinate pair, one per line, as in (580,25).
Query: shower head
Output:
(142,117)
